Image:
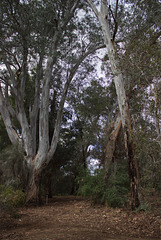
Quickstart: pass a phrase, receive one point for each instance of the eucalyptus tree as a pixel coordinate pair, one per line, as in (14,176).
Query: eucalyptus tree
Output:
(139,57)
(142,56)
(102,16)
(40,55)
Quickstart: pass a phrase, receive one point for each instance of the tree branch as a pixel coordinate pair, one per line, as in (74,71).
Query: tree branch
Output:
(69,15)
(35,108)
(10,71)
(12,134)
(93,7)
(115,19)
(155,38)
(62,101)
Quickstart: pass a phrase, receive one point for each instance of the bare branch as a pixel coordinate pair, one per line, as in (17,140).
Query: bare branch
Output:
(69,15)
(93,7)
(155,38)
(10,71)
(114,16)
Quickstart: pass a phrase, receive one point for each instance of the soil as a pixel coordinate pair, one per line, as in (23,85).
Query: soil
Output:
(73,218)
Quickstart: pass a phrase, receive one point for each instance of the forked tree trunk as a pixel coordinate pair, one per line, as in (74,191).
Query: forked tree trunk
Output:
(38,152)
(122,102)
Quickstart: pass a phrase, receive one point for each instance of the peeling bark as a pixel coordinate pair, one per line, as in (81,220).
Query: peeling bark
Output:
(111,144)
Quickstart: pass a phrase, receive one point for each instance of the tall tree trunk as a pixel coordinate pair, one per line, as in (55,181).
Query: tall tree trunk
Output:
(110,146)
(157,111)
(37,164)
(34,186)
(48,184)
(123,104)
(34,109)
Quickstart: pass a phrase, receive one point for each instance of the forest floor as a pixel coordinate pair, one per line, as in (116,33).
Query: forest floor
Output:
(73,218)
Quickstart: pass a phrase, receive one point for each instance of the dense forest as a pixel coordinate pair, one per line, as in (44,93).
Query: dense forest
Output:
(80,101)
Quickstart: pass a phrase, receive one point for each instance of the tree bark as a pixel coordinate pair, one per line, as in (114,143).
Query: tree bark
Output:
(34,110)
(111,144)
(34,186)
(12,134)
(157,111)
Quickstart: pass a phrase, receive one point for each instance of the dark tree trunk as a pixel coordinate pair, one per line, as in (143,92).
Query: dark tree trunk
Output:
(110,146)
(48,185)
(134,176)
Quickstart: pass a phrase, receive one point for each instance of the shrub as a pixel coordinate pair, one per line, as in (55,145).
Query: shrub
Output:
(13,165)
(11,199)
(94,187)
(118,187)
(117,197)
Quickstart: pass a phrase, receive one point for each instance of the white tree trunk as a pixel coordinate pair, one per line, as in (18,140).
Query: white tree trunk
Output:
(122,102)
(12,134)
(118,78)
(34,110)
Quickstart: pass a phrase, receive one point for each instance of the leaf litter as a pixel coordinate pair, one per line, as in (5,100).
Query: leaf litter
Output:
(74,218)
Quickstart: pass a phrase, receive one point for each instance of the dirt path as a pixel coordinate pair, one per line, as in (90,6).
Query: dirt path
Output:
(75,219)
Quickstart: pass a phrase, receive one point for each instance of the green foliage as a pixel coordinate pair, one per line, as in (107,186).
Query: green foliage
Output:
(117,193)
(12,165)
(63,185)
(11,199)
(148,155)
(117,196)
(92,186)
(143,207)
(95,187)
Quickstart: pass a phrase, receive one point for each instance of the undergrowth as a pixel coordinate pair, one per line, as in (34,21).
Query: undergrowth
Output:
(11,199)
(93,186)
